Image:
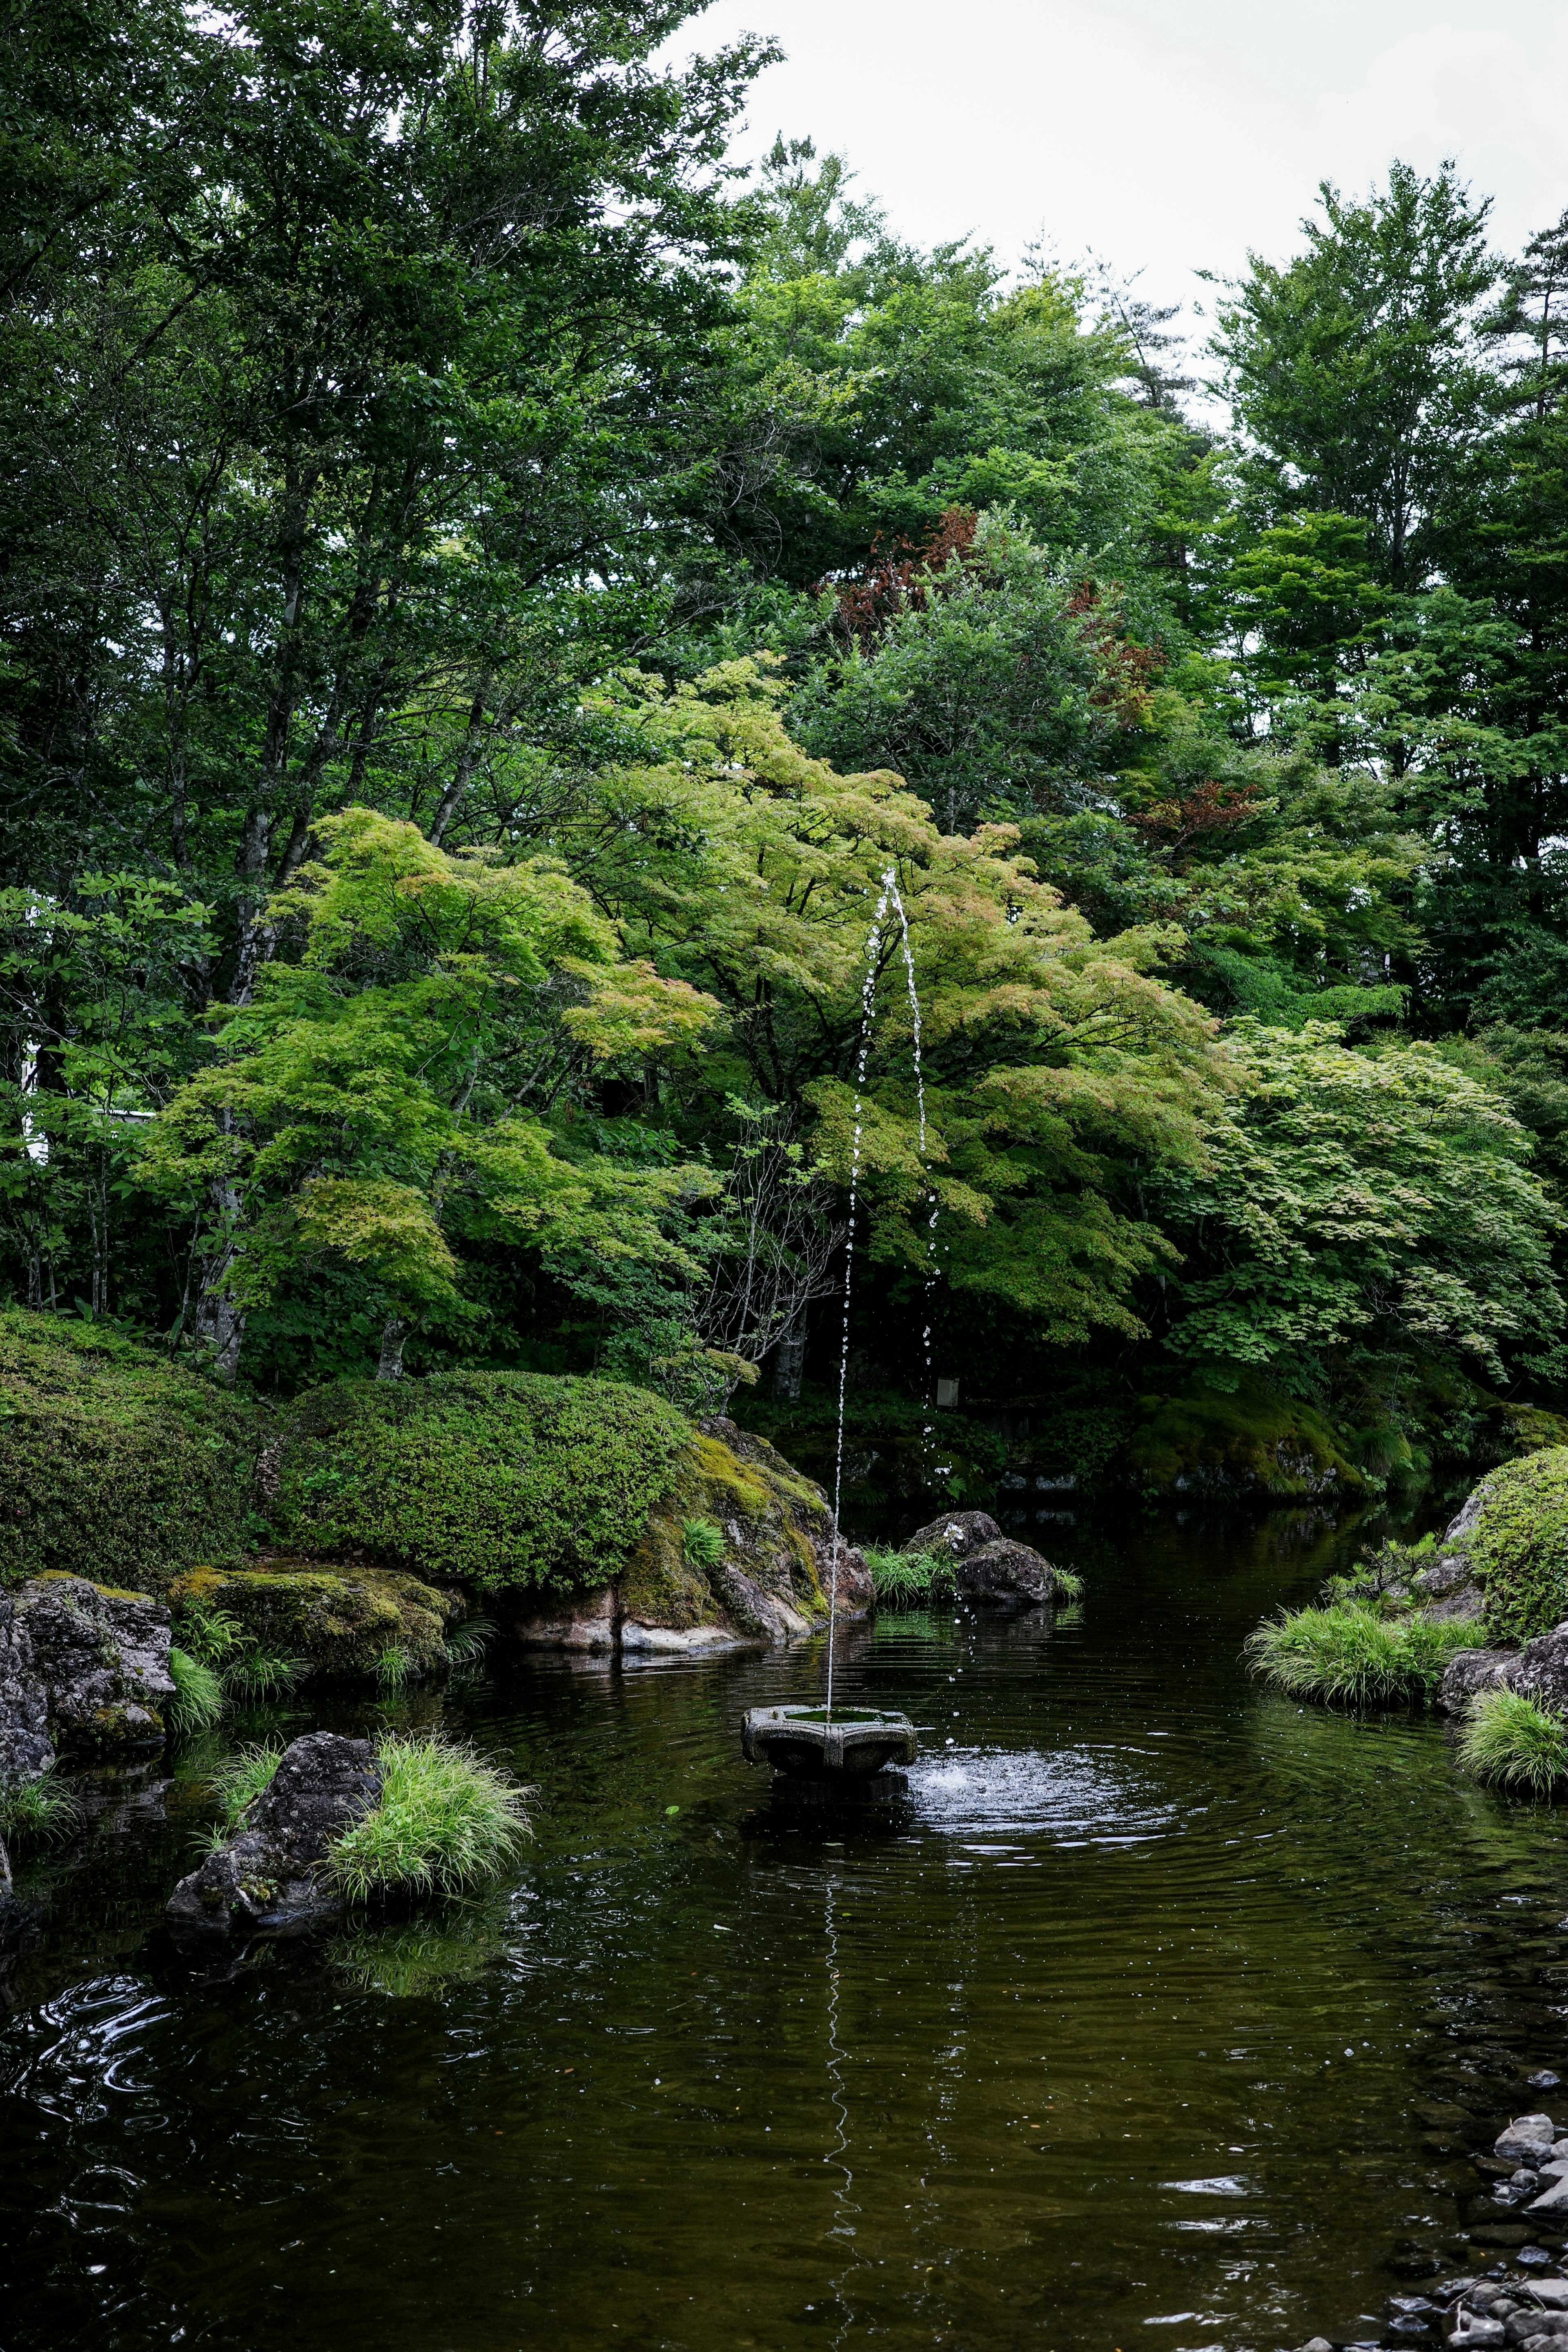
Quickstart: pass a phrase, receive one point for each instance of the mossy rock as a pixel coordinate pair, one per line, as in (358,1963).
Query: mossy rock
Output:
(115,1463)
(774,1525)
(496,1480)
(1254,1441)
(339,1622)
(1513,1535)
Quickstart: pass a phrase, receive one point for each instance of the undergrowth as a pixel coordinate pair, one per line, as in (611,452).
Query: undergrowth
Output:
(1511,1742)
(1348,1653)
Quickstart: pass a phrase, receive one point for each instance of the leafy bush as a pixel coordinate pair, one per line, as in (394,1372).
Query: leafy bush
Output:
(116,1463)
(1350,1652)
(703,1542)
(1513,1742)
(498,1479)
(446,1820)
(1518,1545)
(37,1808)
(198,1693)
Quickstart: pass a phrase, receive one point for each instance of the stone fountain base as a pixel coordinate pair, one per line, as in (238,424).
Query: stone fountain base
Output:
(858,1747)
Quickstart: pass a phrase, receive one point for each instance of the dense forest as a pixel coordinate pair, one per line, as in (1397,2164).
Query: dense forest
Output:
(493,585)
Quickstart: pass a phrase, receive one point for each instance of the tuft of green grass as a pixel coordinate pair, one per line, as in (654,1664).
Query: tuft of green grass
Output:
(908,1578)
(1069,1584)
(703,1542)
(262,1675)
(209,1636)
(1511,1741)
(1349,1654)
(394,1668)
(242,1776)
(446,1820)
(39,1809)
(467,1642)
(198,1693)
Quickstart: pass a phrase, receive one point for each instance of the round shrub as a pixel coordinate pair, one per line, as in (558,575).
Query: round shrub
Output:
(1518,1545)
(497,1479)
(115,1463)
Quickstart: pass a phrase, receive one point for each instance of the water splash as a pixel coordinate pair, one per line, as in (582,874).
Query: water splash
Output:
(891,898)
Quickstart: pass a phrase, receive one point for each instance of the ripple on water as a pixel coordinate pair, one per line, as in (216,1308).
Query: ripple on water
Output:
(1077,1796)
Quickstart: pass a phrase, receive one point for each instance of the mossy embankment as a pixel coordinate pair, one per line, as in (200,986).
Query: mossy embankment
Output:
(116,1463)
(351,1527)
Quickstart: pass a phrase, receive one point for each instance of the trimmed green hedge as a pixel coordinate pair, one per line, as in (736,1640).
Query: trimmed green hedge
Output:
(1519,1546)
(496,1478)
(115,1463)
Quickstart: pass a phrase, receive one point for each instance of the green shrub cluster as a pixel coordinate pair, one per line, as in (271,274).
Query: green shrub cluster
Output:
(1519,1546)
(1511,1742)
(1352,1653)
(1253,1436)
(496,1478)
(115,1463)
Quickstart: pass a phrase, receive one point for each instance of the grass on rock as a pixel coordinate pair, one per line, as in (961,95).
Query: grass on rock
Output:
(1511,1742)
(905,1579)
(446,1820)
(240,1779)
(1348,1654)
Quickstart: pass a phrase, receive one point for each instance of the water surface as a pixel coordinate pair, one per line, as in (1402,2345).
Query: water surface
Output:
(1158,2017)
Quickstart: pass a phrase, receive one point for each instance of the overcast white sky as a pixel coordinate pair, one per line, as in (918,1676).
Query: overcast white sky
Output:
(1166,135)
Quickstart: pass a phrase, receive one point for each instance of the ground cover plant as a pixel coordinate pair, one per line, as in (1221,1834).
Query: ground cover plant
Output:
(1349,1654)
(1515,1744)
(445,1820)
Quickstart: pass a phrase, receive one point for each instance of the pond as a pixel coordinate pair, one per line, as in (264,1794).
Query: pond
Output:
(1159,2015)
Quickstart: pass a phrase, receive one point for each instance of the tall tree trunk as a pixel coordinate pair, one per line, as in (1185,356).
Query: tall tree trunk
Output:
(789,1365)
(394,1339)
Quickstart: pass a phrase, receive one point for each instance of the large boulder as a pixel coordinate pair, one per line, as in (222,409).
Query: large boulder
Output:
(338,1621)
(1504,1558)
(1004,1575)
(955,1534)
(102,1658)
(1539,1671)
(775,1556)
(269,1875)
(26,1748)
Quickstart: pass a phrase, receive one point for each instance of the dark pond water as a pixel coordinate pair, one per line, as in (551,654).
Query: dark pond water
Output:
(1160,2018)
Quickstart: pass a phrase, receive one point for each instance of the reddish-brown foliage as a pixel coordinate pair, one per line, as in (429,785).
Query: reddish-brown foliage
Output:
(1215,807)
(1126,670)
(905,578)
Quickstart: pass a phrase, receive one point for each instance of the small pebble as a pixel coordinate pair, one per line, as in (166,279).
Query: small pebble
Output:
(1545,2081)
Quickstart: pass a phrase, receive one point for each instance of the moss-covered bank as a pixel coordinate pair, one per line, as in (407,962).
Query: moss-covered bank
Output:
(348,1529)
(115,1463)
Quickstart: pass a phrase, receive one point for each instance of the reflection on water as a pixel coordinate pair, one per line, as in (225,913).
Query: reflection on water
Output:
(1156,2003)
